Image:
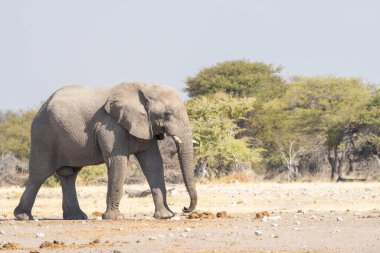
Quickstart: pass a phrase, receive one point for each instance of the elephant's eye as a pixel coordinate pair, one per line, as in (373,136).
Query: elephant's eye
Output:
(168,115)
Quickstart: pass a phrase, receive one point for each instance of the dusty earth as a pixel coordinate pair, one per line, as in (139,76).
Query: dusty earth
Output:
(303,217)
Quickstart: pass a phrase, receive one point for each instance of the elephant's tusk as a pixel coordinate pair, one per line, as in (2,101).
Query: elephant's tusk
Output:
(176,139)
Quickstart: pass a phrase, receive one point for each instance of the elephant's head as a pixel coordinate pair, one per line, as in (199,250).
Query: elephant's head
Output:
(150,111)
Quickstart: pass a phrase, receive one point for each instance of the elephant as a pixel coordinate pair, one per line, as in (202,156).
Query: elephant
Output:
(81,126)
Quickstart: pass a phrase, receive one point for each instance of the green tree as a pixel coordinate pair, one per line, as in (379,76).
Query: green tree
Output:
(214,120)
(240,78)
(322,107)
(15,133)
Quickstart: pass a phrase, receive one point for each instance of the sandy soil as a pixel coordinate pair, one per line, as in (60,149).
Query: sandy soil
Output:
(303,217)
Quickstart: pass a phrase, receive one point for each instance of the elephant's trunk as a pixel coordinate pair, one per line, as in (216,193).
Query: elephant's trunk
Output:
(184,145)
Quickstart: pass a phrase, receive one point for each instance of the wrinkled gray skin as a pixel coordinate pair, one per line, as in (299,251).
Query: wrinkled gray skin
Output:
(79,126)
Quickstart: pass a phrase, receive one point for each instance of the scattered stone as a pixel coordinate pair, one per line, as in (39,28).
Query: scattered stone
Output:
(187,229)
(339,218)
(34,251)
(172,192)
(96,241)
(175,218)
(313,217)
(258,233)
(274,236)
(301,211)
(116,251)
(152,238)
(98,218)
(272,218)
(2,232)
(297,229)
(40,235)
(297,222)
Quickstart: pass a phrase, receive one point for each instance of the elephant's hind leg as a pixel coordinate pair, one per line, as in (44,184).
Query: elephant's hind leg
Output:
(70,204)
(24,209)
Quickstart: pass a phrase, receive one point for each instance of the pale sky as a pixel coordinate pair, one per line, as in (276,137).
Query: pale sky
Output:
(46,44)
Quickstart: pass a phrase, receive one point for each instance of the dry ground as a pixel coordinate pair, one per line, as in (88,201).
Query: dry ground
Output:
(304,217)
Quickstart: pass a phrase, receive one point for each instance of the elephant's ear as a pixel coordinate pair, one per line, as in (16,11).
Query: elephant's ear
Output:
(128,106)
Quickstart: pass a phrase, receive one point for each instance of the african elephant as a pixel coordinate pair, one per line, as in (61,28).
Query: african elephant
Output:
(79,126)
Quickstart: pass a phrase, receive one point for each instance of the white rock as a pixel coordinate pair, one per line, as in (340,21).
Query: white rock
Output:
(274,225)
(296,229)
(297,222)
(2,232)
(339,218)
(98,218)
(175,218)
(313,217)
(274,218)
(170,235)
(274,236)
(183,235)
(36,220)
(187,229)
(152,238)
(40,235)
(258,233)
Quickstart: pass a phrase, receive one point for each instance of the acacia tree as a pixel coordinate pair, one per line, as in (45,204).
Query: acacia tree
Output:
(15,134)
(325,106)
(214,123)
(239,78)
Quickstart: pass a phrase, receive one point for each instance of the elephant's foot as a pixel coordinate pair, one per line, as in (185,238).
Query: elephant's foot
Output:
(22,215)
(163,214)
(112,215)
(75,215)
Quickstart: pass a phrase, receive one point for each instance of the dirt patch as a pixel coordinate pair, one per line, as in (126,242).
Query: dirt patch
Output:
(208,215)
(262,214)
(52,245)
(97,214)
(266,217)
(223,214)
(10,246)
(201,215)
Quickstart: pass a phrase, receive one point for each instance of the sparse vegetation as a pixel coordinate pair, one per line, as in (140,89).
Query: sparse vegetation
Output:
(248,120)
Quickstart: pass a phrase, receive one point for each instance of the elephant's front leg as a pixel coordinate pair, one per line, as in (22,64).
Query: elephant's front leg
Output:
(152,166)
(116,174)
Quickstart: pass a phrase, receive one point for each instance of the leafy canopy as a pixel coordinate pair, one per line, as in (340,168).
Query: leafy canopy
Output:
(213,118)
(15,134)
(240,78)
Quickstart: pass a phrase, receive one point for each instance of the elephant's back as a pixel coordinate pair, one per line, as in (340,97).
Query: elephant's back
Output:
(70,111)
(75,102)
